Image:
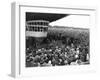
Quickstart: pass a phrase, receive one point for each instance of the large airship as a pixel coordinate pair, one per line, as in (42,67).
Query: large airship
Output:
(37,24)
(37,28)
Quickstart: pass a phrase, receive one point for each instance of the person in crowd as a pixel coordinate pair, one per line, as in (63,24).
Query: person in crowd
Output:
(55,55)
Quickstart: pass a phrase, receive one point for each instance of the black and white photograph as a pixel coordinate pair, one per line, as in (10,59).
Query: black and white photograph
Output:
(54,39)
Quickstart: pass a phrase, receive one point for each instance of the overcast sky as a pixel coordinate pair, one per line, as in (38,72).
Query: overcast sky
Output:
(78,21)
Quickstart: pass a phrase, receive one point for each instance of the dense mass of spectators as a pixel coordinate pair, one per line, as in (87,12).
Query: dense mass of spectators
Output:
(57,52)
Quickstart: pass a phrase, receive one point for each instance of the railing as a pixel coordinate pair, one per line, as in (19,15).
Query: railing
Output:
(37,25)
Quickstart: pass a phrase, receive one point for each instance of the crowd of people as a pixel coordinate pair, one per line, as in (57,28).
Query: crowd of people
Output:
(55,55)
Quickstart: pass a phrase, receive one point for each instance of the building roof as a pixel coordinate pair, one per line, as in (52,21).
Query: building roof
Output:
(44,16)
